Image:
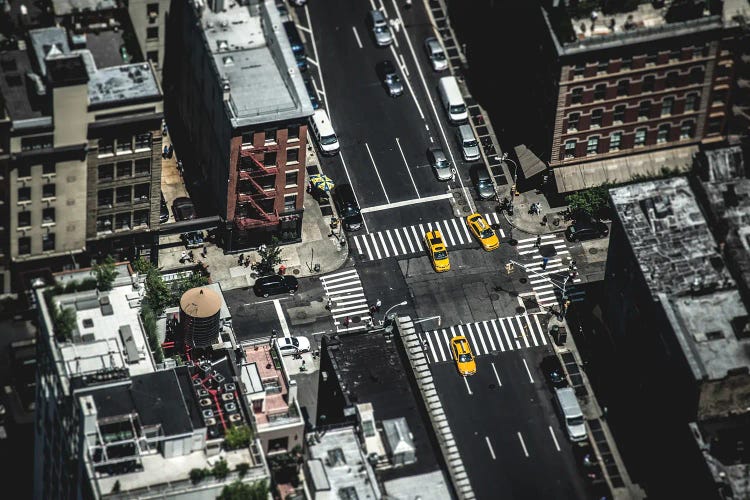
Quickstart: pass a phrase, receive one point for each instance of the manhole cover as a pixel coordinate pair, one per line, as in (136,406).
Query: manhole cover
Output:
(492,386)
(520,310)
(512,242)
(523,280)
(295,271)
(494,296)
(594,250)
(301,315)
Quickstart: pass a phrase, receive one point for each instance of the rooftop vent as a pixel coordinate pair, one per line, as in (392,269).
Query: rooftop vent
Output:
(235,417)
(205,402)
(230,407)
(88,323)
(207,413)
(230,387)
(227,396)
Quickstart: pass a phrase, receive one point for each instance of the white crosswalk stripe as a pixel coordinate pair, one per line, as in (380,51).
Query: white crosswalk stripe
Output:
(485,337)
(408,240)
(547,282)
(347,300)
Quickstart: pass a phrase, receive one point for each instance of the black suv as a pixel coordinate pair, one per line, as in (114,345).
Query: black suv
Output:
(586,229)
(346,205)
(553,371)
(275,284)
(183,208)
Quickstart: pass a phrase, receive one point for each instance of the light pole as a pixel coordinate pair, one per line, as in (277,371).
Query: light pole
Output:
(515,177)
(389,327)
(563,288)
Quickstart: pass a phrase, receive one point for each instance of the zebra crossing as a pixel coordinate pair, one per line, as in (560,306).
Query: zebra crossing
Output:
(547,283)
(485,337)
(347,300)
(410,239)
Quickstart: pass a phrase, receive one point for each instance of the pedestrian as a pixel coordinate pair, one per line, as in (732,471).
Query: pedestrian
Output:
(407,5)
(372,309)
(538,242)
(544,219)
(346,321)
(572,265)
(247,262)
(190,255)
(329,303)
(377,305)
(170,151)
(179,166)
(204,252)
(544,262)
(164,152)
(369,322)
(241,258)
(183,256)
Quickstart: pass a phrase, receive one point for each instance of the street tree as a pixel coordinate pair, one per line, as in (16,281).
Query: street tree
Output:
(270,257)
(244,491)
(592,200)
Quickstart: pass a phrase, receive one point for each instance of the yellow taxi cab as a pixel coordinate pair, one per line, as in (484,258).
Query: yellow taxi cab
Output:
(483,232)
(463,356)
(437,250)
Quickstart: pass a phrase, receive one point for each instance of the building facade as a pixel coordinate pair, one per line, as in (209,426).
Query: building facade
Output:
(242,134)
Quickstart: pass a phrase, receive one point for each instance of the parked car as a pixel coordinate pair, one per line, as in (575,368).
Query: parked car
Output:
(483,182)
(435,53)
(293,345)
(467,142)
(193,239)
(163,210)
(482,231)
(570,411)
(183,208)
(379,27)
(295,42)
(311,92)
(440,164)
(275,284)
(390,79)
(462,355)
(553,371)
(347,207)
(437,251)
(582,230)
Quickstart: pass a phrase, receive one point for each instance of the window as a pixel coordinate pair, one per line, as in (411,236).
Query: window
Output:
(48,215)
(24,194)
(627,63)
(24,245)
(615,139)
(600,91)
(644,110)
(592,146)
(700,51)
(270,135)
(153,10)
(122,220)
(104,198)
(640,137)
(48,191)
(124,194)
(290,202)
(124,169)
(48,242)
(651,59)
(667,106)
(125,144)
(269,159)
(35,143)
(141,192)
(696,75)
(106,172)
(602,67)
(714,127)
(143,167)
(247,138)
(106,146)
(648,83)
(24,219)
(674,55)
(140,218)
(687,130)
(143,141)
(576,95)
(152,33)
(48,168)
(24,171)
(672,78)
(293,133)
(622,87)
(291,178)
(596,118)
(619,115)
(104,223)
(662,134)
(573,119)
(579,70)
(691,102)
(570,149)
(292,155)
(153,56)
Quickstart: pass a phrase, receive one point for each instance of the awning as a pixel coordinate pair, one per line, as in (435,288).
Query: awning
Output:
(528,161)
(623,169)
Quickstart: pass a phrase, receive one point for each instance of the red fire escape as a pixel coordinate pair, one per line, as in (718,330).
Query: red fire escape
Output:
(255,205)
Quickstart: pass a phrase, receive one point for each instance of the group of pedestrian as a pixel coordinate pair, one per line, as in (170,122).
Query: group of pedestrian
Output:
(187,257)
(243,261)
(375,307)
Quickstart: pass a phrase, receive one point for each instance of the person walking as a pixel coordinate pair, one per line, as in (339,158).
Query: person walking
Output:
(538,241)
(346,322)
(378,303)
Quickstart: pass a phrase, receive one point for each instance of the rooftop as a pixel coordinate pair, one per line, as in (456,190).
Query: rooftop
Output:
(19,93)
(338,468)
(255,63)
(64,7)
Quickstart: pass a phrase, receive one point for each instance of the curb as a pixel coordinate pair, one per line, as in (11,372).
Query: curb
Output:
(505,216)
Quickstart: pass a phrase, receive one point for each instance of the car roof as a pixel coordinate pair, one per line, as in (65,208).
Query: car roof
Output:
(479,221)
(462,342)
(182,200)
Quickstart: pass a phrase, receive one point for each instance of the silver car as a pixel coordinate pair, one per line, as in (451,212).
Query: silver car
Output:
(391,81)
(436,54)
(440,164)
(467,142)
(379,25)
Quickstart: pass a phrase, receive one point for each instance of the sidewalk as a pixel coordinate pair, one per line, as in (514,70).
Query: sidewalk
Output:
(530,223)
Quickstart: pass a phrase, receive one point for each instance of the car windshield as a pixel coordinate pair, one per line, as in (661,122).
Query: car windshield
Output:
(329,139)
(471,143)
(380,29)
(441,254)
(349,211)
(438,56)
(575,421)
(441,163)
(487,233)
(295,342)
(391,77)
(464,358)
(458,108)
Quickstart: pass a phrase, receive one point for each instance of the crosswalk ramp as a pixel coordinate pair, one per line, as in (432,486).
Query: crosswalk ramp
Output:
(347,300)
(410,239)
(496,335)
(548,281)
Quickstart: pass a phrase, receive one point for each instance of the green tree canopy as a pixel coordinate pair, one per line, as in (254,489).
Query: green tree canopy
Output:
(105,273)
(245,491)
(592,200)
(158,293)
(270,257)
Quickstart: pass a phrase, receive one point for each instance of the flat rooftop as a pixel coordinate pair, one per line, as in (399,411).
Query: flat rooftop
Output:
(65,7)
(18,92)
(255,62)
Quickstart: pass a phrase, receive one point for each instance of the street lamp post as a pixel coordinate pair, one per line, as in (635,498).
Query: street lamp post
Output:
(515,178)
(563,288)
(389,327)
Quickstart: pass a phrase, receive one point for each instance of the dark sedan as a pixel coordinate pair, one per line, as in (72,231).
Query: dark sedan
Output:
(274,285)
(183,208)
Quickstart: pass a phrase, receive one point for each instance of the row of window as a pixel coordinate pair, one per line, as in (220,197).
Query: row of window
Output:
(269,159)
(125,144)
(648,84)
(271,135)
(48,217)
(48,191)
(24,171)
(687,131)
(139,193)
(124,169)
(24,244)
(122,221)
(629,62)
(644,111)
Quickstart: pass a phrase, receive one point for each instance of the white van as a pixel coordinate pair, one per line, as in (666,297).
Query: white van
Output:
(453,103)
(323,132)
(571,413)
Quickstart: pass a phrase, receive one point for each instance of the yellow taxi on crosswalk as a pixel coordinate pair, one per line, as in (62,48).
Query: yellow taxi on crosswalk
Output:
(461,351)
(437,251)
(483,232)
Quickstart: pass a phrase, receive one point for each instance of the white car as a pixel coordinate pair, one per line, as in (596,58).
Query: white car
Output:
(436,54)
(293,345)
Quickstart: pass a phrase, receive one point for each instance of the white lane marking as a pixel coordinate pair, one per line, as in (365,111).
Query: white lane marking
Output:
(408,170)
(431,343)
(440,347)
(497,377)
(400,241)
(408,240)
(312,61)
(377,173)
(346,170)
(525,451)
(492,452)
(282,319)
(448,232)
(523,331)
(458,232)
(531,379)
(350,272)
(382,240)
(406,80)
(367,247)
(554,438)
(322,83)
(404,203)
(375,246)
(356,243)
(489,334)
(303,28)
(544,337)
(393,243)
(465,227)
(404,68)
(507,337)
(467,386)
(417,239)
(481,338)
(356,35)
(318,92)
(531,330)
(497,336)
